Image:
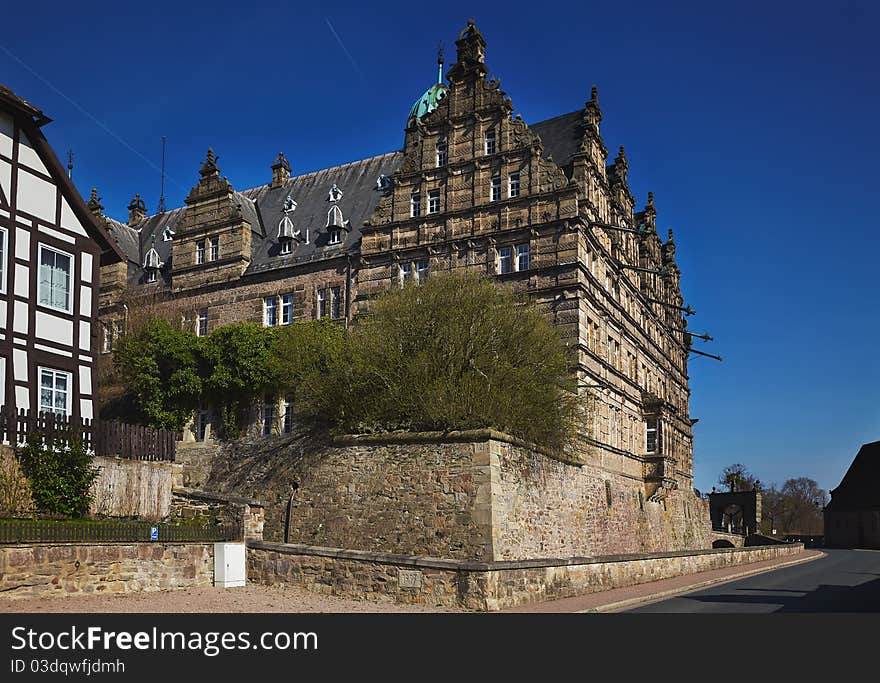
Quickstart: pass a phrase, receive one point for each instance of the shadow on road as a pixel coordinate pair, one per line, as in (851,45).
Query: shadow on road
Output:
(864,597)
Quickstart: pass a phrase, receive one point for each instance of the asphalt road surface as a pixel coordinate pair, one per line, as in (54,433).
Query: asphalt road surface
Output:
(844,581)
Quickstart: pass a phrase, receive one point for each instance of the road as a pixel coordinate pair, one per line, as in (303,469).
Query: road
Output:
(844,581)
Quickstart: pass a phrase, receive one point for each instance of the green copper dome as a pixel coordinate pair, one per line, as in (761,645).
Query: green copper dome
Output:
(427,102)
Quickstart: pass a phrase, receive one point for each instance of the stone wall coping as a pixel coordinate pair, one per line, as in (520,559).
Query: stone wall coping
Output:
(475,566)
(465,435)
(214,497)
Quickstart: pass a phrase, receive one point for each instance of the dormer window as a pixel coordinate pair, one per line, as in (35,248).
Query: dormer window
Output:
(490,141)
(152,264)
(286,232)
(335,237)
(167,235)
(286,246)
(383,183)
(334,217)
(335,194)
(442,150)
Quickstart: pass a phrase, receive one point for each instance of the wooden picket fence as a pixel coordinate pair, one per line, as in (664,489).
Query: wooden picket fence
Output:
(102,437)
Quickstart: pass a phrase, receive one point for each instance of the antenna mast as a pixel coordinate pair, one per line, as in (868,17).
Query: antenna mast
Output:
(161,208)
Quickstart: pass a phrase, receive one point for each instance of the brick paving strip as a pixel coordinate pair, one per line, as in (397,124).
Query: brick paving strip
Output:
(618,599)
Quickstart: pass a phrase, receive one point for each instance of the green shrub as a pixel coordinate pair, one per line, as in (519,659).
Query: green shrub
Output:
(307,358)
(458,352)
(238,368)
(159,366)
(61,474)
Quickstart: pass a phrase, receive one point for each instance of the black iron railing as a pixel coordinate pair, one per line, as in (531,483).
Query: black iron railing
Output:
(64,531)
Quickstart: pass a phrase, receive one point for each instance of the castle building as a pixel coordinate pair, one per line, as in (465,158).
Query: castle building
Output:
(539,206)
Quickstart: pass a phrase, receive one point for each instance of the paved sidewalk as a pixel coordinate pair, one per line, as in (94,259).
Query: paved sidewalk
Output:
(623,598)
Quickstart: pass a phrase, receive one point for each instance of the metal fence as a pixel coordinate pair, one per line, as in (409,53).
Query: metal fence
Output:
(62,531)
(102,437)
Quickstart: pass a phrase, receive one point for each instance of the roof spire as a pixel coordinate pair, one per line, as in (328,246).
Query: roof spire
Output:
(209,165)
(440,62)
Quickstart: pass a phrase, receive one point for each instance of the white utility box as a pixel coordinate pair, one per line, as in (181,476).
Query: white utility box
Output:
(229,565)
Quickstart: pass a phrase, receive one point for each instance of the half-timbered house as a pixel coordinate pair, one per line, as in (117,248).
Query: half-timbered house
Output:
(51,250)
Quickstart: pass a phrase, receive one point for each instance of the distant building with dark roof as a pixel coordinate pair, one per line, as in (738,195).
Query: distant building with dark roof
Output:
(852,518)
(540,207)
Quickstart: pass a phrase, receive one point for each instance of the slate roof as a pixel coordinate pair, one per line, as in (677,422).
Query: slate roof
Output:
(860,487)
(561,136)
(357,180)
(263,206)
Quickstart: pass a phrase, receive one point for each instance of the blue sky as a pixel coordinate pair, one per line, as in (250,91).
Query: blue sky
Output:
(753,123)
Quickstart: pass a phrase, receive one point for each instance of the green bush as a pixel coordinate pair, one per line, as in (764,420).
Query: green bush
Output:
(308,357)
(238,368)
(457,352)
(160,368)
(61,474)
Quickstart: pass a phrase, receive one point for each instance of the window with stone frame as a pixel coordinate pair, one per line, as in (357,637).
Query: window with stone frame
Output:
(287,415)
(505,260)
(523,257)
(652,435)
(513,185)
(200,252)
(202,323)
(268,415)
(270,311)
(322,303)
(286,309)
(490,146)
(434,201)
(335,303)
(442,151)
(406,272)
(215,249)
(415,205)
(495,188)
(422,271)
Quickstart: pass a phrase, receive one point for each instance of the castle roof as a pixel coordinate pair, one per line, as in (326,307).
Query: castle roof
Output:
(263,206)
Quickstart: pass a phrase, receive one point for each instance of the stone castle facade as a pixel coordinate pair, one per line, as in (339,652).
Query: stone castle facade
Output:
(539,207)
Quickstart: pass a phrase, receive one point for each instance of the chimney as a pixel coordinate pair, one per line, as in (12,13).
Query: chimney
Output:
(137,211)
(280,171)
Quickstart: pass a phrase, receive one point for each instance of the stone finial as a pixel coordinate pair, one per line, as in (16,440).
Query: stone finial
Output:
(94,204)
(137,211)
(471,50)
(280,170)
(209,165)
(594,95)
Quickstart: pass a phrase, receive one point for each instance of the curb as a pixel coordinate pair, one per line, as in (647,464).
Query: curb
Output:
(656,597)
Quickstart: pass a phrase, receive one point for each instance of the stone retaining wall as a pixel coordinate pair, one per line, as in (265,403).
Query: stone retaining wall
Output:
(484,586)
(33,570)
(131,488)
(189,504)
